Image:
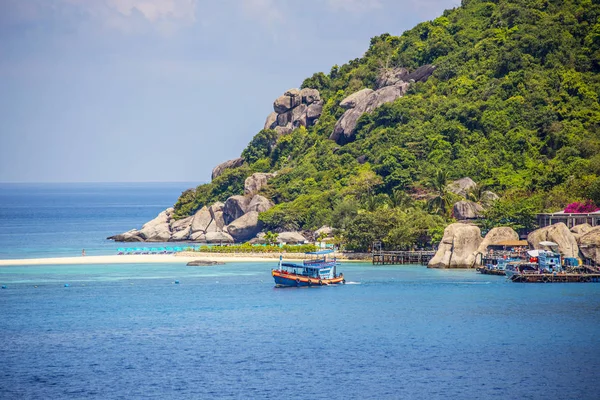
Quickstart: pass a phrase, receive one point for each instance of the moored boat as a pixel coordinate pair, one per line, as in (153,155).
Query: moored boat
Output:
(317,271)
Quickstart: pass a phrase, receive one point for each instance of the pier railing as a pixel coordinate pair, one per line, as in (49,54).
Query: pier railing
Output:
(422,257)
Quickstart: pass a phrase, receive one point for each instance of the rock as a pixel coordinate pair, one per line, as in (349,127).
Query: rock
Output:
(256,181)
(462,186)
(180,235)
(495,236)
(488,197)
(157,230)
(458,247)
(284,130)
(259,239)
(581,229)
(289,100)
(218,237)
(234,207)
(310,96)
(199,237)
(201,220)
(360,103)
(216,212)
(132,235)
(290,238)
(245,227)
(284,118)
(589,244)
(326,230)
(355,98)
(219,169)
(421,74)
(467,210)
(557,233)
(299,115)
(259,204)
(391,77)
(271,121)
(181,224)
(204,263)
(313,112)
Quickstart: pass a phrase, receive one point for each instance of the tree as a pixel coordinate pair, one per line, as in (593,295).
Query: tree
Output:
(271,238)
(440,203)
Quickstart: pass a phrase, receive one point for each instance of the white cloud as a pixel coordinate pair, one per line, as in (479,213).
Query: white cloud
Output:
(354,6)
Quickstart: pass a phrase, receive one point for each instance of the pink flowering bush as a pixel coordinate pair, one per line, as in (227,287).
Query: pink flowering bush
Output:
(581,208)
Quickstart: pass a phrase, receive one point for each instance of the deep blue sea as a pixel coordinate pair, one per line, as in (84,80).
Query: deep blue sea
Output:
(224,332)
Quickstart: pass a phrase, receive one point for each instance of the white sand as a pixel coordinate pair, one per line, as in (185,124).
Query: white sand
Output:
(182,258)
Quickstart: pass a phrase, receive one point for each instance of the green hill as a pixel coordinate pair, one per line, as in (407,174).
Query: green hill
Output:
(513,104)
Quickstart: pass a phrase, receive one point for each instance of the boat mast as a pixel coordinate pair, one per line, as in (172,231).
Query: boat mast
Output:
(280,261)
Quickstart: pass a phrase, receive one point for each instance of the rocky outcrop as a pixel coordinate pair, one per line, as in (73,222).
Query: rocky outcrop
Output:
(198,237)
(245,227)
(364,101)
(495,236)
(219,169)
(234,208)
(218,237)
(589,244)
(458,247)
(581,229)
(256,181)
(462,186)
(390,85)
(157,230)
(464,209)
(259,204)
(201,220)
(488,197)
(291,238)
(129,236)
(295,108)
(204,263)
(557,233)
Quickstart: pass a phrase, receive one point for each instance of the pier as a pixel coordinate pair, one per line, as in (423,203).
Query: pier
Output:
(550,278)
(381,257)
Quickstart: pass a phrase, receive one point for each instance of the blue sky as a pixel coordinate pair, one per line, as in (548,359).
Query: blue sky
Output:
(164,90)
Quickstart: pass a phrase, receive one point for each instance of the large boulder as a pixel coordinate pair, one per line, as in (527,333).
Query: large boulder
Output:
(201,220)
(310,96)
(256,181)
(581,229)
(216,212)
(458,247)
(495,236)
(259,204)
(218,237)
(420,74)
(129,236)
(286,102)
(234,207)
(589,244)
(467,210)
(557,233)
(199,237)
(180,235)
(245,227)
(219,169)
(271,121)
(355,98)
(291,238)
(361,102)
(327,231)
(158,229)
(462,186)
(391,76)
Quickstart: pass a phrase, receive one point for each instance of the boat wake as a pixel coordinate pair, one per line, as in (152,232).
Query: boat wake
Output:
(352,283)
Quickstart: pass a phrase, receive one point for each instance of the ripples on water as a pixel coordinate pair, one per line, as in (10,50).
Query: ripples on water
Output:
(128,331)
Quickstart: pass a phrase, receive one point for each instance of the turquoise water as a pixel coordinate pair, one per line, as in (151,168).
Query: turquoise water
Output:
(129,331)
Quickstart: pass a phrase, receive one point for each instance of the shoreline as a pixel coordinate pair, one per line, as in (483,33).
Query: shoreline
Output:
(179,258)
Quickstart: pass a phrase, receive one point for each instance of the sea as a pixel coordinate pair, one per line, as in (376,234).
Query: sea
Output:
(169,331)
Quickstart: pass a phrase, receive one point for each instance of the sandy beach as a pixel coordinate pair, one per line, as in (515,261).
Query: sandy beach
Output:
(182,258)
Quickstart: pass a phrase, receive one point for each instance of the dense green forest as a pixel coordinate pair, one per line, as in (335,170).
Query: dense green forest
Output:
(513,104)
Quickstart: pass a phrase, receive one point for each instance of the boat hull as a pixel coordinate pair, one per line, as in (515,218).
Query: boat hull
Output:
(283,279)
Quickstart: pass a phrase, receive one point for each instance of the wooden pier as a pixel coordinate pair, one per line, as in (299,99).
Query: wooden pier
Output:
(402,257)
(555,278)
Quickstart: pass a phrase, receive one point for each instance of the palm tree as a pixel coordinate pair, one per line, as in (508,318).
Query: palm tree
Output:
(440,203)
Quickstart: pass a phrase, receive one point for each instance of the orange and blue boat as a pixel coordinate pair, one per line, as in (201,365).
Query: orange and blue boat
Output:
(317,271)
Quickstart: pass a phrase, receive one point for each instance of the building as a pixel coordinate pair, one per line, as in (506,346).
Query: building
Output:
(569,219)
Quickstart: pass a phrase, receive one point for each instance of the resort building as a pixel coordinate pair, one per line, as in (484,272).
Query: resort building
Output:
(569,219)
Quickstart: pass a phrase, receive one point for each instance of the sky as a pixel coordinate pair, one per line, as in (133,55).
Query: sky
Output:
(164,90)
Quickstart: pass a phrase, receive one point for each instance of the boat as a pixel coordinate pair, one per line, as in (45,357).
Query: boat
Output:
(496,269)
(317,271)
